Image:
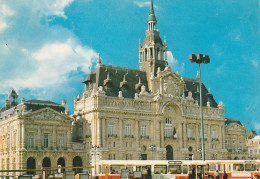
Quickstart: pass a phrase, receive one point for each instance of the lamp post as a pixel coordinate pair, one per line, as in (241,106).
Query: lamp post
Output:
(200,59)
(152,147)
(95,157)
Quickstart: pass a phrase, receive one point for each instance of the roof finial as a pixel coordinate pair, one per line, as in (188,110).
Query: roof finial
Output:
(99,59)
(124,79)
(108,76)
(140,43)
(151,8)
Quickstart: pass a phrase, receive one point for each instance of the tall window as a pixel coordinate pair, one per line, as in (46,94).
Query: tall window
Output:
(190,131)
(30,139)
(61,140)
(143,131)
(128,130)
(45,140)
(111,130)
(213,133)
(89,130)
(168,128)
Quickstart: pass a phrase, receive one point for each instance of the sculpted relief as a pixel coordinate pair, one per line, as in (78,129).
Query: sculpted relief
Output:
(171,86)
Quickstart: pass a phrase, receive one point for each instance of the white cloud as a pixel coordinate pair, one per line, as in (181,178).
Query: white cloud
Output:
(144,4)
(38,60)
(174,63)
(5,12)
(254,63)
(217,49)
(221,69)
(53,64)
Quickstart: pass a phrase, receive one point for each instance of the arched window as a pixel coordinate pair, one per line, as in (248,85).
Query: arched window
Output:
(168,128)
(46,162)
(31,165)
(77,162)
(61,161)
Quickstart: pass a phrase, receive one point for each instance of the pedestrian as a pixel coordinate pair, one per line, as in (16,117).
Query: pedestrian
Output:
(217,174)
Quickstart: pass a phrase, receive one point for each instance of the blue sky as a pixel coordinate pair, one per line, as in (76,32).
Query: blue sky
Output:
(49,46)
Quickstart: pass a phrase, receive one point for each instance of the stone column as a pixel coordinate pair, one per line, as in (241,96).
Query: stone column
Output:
(185,135)
(69,140)
(162,134)
(157,133)
(38,138)
(22,136)
(120,132)
(181,134)
(99,131)
(54,137)
(137,133)
(104,126)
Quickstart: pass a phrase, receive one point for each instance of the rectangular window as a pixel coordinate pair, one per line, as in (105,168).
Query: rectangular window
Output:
(214,136)
(30,139)
(143,131)
(190,131)
(114,144)
(46,140)
(111,129)
(61,140)
(128,130)
(89,130)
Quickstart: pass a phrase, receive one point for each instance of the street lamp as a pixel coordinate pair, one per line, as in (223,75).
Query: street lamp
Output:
(200,59)
(152,147)
(95,157)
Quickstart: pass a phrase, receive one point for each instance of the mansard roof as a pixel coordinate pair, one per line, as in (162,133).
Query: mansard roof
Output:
(31,105)
(192,85)
(231,121)
(116,76)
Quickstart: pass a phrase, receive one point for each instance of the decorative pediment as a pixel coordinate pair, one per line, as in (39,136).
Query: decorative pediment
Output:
(235,127)
(46,114)
(172,86)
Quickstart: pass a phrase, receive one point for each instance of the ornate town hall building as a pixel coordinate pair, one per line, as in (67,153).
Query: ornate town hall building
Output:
(150,113)
(128,110)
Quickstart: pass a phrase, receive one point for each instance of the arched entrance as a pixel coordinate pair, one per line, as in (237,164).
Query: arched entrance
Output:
(169,152)
(46,162)
(77,162)
(61,161)
(31,165)
(236,158)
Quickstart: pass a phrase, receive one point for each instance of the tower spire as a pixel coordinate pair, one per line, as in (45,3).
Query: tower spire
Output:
(152,19)
(151,8)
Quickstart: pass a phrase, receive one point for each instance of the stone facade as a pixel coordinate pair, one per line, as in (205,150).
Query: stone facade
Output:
(37,138)
(236,138)
(123,113)
(128,110)
(253,145)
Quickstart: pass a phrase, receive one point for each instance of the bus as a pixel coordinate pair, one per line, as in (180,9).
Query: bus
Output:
(152,169)
(234,169)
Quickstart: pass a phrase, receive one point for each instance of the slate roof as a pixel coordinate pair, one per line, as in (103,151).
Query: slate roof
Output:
(193,86)
(116,75)
(231,121)
(114,84)
(31,105)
